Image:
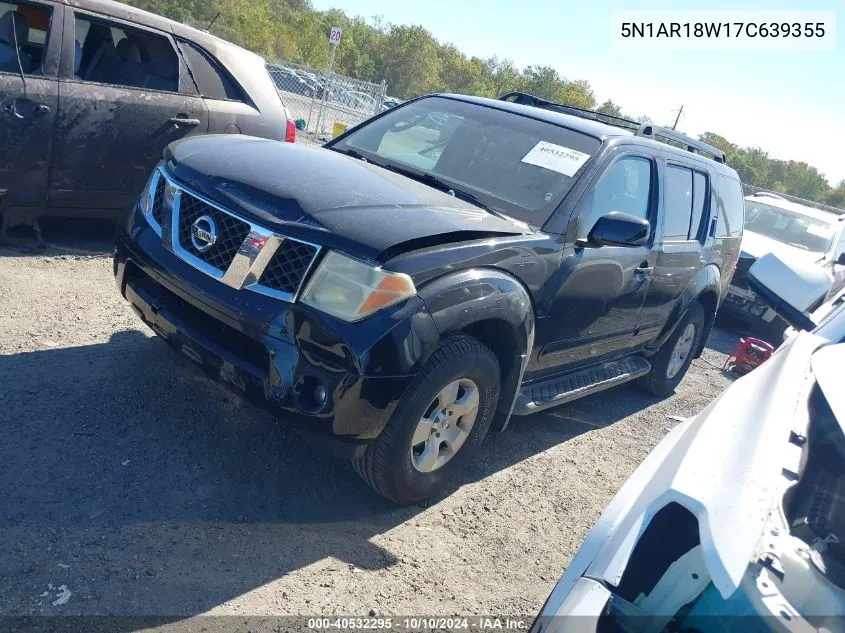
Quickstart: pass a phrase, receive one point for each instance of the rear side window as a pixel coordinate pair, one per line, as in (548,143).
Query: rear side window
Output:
(212,80)
(731,208)
(23,37)
(684,203)
(699,198)
(677,203)
(109,53)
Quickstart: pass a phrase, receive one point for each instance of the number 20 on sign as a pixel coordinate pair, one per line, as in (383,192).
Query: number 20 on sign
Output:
(334,36)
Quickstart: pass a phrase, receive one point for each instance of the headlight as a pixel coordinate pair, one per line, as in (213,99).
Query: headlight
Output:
(146,200)
(352,290)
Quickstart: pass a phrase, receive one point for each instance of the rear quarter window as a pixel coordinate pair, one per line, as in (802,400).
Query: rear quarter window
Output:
(212,80)
(729,205)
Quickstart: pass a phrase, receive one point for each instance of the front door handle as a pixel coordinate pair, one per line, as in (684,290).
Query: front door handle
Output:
(184,120)
(42,108)
(643,270)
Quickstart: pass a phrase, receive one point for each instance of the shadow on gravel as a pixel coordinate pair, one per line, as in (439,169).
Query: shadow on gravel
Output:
(146,488)
(62,236)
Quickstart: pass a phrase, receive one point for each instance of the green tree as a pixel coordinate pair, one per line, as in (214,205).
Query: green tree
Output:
(505,77)
(836,197)
(579,94)
(409,61)
(610,108)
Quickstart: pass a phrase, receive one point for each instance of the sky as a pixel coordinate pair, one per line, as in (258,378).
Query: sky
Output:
(791,104)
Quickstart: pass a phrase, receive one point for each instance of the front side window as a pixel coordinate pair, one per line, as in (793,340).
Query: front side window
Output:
(112,54)
(624,187)
(23,37)
(790,228)
(511,163)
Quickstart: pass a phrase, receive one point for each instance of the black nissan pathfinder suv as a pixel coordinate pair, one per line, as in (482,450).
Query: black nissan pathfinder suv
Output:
(435,270)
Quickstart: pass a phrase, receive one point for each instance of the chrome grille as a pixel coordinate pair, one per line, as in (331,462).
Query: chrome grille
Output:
(288,266)
(231,232)
(244,255)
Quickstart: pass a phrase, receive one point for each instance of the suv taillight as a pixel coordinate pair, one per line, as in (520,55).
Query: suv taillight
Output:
(290,132)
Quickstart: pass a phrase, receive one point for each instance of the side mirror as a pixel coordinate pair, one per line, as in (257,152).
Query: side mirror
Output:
(792,289)
(618,229)
(841,259)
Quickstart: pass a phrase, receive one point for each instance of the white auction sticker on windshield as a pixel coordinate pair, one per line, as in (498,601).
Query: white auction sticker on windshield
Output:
(819,231)
(561,159)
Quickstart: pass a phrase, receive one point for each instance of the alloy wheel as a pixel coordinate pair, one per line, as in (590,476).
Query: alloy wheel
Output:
(445,426)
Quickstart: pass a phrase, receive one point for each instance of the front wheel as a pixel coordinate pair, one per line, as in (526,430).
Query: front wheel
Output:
(437,426)
(670,364)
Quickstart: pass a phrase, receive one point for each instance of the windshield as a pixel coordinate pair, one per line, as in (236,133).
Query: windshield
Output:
(789,228)
(510,163)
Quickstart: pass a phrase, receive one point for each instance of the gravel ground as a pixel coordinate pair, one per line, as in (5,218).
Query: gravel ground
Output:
(133,485)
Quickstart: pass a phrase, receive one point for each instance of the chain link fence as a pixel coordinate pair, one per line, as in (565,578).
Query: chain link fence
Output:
(323,103)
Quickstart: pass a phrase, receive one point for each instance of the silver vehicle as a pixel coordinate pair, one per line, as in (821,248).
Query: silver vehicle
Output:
(736,520)
(794,232)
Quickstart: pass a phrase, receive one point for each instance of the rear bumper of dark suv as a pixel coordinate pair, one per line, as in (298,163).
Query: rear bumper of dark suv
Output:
(280,355)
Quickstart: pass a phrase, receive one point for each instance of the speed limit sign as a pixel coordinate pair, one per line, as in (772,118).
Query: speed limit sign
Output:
(334,36)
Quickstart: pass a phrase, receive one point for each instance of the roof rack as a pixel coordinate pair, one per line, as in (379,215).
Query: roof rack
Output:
(769,194)
(647,130)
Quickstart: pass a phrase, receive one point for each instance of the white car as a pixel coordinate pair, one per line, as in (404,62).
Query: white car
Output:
(736,520)
(793,232)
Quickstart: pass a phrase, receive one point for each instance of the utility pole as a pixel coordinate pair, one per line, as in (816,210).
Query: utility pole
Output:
(678,118)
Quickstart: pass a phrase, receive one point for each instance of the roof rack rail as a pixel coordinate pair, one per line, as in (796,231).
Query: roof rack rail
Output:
(647,130)
(768,194)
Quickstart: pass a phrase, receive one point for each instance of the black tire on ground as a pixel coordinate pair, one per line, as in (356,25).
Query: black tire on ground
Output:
(657,381)
(386,465)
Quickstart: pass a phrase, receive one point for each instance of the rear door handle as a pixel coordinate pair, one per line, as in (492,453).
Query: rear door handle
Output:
(184,120)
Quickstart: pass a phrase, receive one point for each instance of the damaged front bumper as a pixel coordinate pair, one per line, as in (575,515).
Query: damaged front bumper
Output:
(338,382)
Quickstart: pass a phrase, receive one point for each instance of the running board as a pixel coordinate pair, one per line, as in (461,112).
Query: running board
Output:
(550,393)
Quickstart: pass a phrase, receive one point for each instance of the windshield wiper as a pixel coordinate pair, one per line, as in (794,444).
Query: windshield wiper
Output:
(427,179)
(433,181)
(352,153)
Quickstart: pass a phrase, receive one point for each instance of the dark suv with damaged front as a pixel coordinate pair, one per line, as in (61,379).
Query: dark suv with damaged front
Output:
(428,274)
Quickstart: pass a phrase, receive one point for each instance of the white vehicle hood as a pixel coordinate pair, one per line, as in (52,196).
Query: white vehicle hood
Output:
(758,245)
(723,466)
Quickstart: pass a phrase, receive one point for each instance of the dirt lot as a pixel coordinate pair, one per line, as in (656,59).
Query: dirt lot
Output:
(131,484)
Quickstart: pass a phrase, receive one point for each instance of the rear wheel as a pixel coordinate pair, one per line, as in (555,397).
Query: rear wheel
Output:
(670,364)
(437,426)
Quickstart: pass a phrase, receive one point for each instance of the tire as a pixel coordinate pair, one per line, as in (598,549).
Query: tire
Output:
(660,380)
(391,465)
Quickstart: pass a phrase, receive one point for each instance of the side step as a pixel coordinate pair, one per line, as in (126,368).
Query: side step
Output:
(559,389)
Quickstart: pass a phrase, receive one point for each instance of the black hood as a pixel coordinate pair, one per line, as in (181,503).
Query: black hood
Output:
(327,197)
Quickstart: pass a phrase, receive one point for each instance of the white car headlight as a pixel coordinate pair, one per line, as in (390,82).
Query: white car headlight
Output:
(352,290)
